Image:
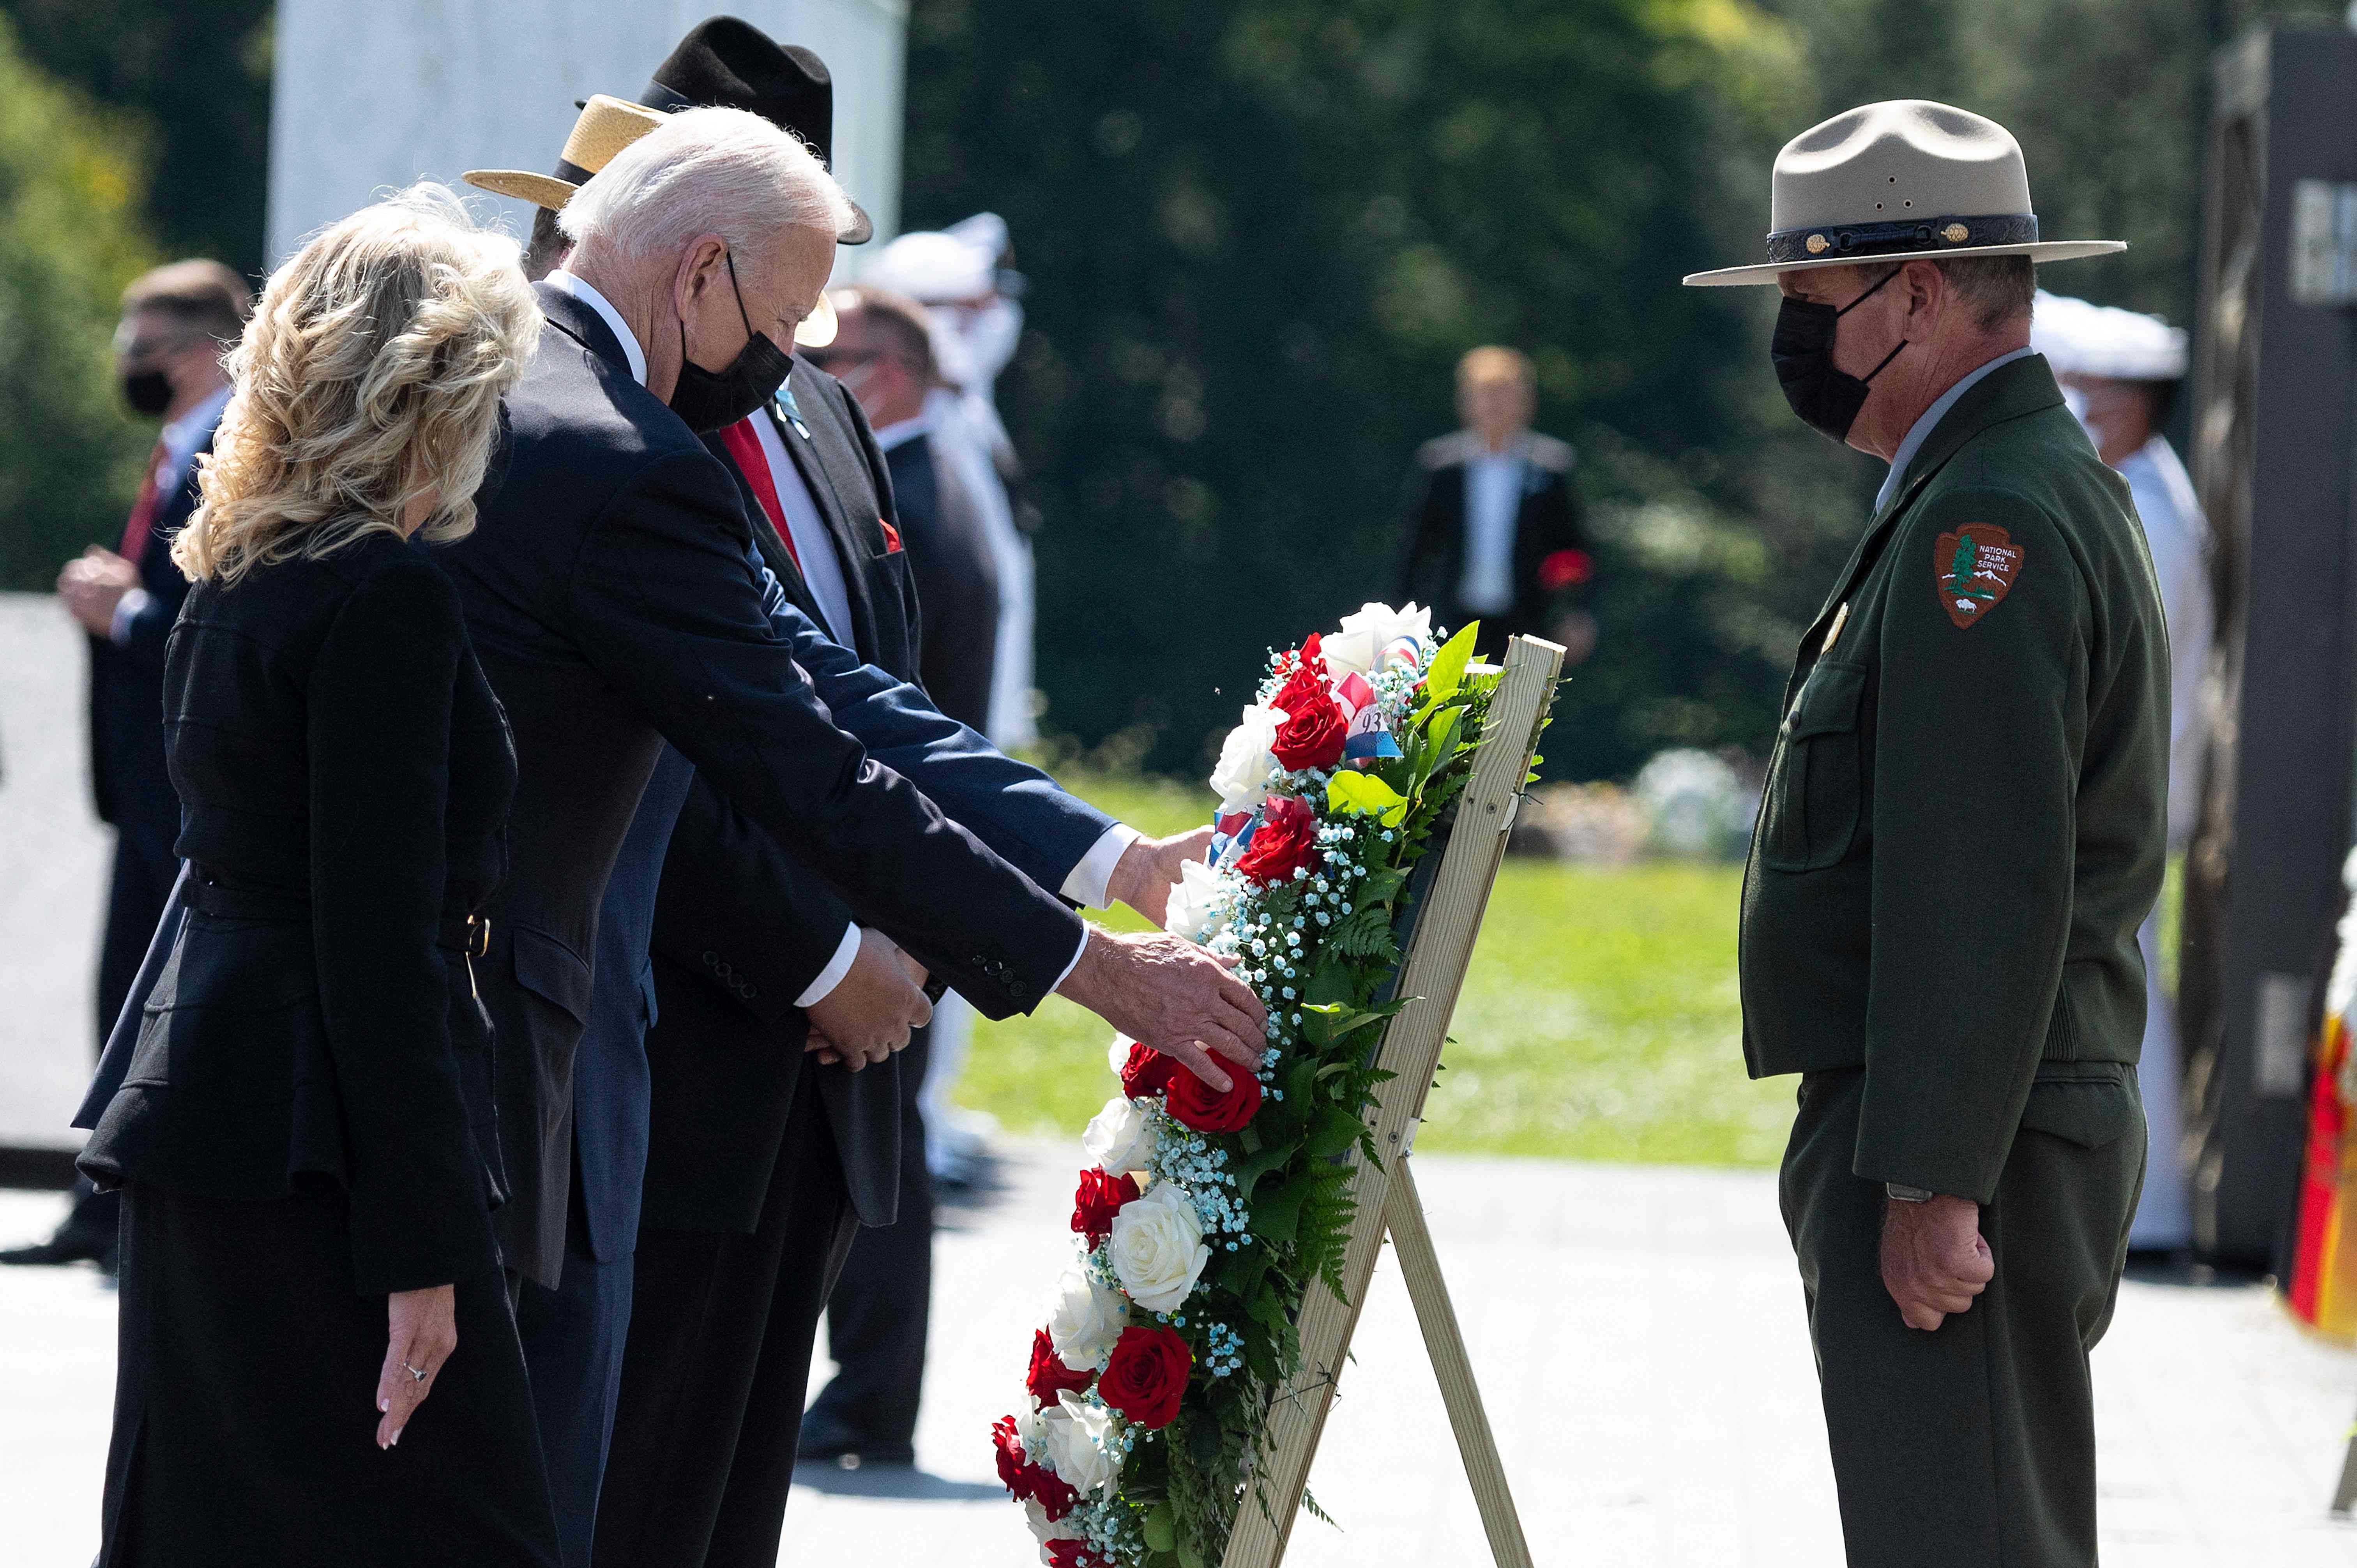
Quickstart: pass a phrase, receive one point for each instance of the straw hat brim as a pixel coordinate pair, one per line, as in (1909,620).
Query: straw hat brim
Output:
(1768,272)
(540,189)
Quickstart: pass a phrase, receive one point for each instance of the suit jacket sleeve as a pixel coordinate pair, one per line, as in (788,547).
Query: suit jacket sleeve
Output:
(380,702)
(1979,732)
(666,606)
(1419,560)
(729,889)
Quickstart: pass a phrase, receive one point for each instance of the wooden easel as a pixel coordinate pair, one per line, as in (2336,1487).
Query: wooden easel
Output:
(1434,968)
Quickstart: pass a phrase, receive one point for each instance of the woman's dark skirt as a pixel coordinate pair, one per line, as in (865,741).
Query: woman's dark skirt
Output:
(245,1404)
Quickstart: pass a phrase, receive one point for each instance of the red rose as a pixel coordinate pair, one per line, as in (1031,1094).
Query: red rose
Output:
(1011,1459)
(1100,1198)
(1314,728)
(1068,1552)
(1194,1103)
(1035,1483)
(1286,841)
(1048,1376)
(1146,1375)
(1147,1073)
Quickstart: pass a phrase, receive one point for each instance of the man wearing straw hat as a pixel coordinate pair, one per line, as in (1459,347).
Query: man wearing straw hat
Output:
(1964,825)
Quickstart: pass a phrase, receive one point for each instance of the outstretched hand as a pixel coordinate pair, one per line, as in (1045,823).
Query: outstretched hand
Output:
(1174,996)
(1934,1259)
(421,1330)
(1148,868)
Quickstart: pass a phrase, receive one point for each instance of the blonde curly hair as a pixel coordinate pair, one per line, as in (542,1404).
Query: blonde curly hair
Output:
(368,380)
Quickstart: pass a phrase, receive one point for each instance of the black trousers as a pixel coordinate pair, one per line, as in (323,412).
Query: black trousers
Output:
(1973,1445)
(245,1404)
(877,1317)
(717,1367)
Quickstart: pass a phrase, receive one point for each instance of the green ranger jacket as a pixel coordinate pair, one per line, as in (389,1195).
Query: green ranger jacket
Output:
(1964,817)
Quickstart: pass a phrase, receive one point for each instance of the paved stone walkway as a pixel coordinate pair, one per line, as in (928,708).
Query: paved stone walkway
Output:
(1638,1334)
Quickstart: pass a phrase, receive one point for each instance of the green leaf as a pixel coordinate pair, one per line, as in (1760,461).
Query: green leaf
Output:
(1250,1169)
(1448,671)
(1363,794)
(1275,1217)
(1333,1132)
(1162,1527)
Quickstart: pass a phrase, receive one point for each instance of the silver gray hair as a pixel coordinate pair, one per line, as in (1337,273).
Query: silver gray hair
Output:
(706,171)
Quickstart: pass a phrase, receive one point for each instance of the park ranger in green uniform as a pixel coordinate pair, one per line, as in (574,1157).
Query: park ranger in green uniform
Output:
(1964,825)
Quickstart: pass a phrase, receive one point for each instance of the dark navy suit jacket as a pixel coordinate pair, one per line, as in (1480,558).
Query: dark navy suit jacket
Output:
(611,603)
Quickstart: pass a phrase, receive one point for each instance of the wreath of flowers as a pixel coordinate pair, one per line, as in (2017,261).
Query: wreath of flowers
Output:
(1204,1215)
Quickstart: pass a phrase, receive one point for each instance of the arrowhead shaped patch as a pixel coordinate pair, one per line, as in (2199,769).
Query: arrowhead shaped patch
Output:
(1973,569)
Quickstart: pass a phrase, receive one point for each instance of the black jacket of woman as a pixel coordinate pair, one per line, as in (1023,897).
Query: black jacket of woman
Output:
(304,1122)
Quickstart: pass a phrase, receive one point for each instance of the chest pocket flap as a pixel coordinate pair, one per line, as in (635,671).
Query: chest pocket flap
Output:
(1810,814)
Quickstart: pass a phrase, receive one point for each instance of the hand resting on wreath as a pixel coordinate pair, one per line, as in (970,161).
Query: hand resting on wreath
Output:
(1173,995)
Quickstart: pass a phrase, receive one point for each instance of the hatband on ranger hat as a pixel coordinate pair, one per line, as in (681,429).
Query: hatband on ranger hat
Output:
(605,127)
(1899,180)
(727,64)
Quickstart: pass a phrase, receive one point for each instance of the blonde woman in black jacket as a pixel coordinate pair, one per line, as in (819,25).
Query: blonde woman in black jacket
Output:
(318,1362)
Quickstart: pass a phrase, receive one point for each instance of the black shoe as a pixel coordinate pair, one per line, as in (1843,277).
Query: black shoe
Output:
(65,1246)
(829,1444)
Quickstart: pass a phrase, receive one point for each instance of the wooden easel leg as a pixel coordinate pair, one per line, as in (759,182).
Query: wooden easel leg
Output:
(1420,1267)
(2344,1496)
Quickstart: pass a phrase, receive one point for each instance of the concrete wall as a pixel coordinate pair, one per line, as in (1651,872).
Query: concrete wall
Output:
(371,93)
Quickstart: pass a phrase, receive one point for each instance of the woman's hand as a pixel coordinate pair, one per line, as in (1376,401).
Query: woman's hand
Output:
(423,1329)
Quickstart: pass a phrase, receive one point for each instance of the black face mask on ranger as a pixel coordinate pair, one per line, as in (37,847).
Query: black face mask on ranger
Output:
(147,392)
(1802,348)
(710,400)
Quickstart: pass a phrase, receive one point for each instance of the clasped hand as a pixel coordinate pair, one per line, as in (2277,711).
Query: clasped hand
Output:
(869,1014)
(1934,1259)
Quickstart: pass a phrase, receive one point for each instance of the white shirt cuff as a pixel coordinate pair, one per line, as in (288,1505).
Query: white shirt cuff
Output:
(126,610)
(1087,884)
(845,952)
(1076,956)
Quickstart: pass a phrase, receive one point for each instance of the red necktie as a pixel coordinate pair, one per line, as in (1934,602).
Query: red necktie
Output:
(140,527)
(744,444)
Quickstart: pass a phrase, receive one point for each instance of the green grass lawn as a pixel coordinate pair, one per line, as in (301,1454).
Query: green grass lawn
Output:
(1599,1020)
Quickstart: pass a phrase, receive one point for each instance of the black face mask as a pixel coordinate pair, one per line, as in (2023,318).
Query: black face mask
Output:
(148,393)
(709,400)
(1802,348)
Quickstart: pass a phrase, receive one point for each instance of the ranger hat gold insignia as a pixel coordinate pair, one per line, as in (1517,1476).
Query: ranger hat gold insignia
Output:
(1896,180)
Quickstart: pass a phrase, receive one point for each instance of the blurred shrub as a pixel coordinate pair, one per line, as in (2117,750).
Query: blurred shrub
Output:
(70,185)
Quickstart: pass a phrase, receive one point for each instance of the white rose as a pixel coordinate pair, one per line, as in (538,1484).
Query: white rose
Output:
(1246,759)
(1080,1443)
(1158,1248)
(1088,1317)
(1120,1137)
(1364,636)
(1194,900)
(1045,1529)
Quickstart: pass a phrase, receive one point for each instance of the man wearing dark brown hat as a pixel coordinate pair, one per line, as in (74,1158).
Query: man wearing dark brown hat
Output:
(1963,825)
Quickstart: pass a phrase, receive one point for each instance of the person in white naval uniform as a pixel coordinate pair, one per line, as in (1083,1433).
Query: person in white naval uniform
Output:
(2119,373)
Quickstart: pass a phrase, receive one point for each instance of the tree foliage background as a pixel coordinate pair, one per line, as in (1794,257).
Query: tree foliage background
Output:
(1259,233)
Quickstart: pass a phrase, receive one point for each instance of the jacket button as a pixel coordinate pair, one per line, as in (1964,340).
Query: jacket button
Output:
(747,992)
(710,958)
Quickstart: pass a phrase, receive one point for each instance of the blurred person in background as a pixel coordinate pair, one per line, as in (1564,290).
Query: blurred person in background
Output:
(302,1126)
(876,1316)
(2120,372)
(176,320)
(1495,533)
(972,307)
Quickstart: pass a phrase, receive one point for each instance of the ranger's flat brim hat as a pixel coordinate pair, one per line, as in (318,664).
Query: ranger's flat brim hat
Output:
(1895,181)
(606,126)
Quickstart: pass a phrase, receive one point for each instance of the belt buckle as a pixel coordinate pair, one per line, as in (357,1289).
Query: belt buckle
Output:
(478,936)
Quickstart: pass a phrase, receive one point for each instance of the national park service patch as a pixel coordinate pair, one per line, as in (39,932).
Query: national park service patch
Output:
(1973,569)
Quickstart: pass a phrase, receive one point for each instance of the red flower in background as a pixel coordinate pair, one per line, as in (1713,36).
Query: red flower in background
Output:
(1286,841)
(1194,1103)
(1048,1376)
(1562,569)
(1147,1073)
(1068,1552)
(1314,727)
(1009,1449)
(1035,1483)
(1146,1375)
(1100,1198)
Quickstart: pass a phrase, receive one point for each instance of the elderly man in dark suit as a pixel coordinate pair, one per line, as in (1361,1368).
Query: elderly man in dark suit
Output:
(176,321)
(614,607)
(1495,532)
